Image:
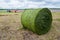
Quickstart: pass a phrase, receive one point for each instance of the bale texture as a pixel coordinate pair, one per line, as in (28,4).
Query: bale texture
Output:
(37,20)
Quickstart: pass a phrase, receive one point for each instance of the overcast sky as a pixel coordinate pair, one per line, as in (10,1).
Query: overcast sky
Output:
(21,4)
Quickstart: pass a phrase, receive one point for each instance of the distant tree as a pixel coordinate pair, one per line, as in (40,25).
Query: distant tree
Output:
(8,10)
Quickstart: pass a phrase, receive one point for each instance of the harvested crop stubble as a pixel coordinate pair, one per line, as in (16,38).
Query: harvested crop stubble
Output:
(37,20)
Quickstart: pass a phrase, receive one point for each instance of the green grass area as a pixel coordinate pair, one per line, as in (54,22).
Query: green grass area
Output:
(55,13)
(6,13)
(56,16)
(58,19)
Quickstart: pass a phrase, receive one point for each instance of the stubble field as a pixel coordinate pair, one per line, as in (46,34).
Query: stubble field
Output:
(12,29)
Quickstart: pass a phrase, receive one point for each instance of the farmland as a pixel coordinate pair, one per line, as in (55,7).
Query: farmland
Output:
(11,28)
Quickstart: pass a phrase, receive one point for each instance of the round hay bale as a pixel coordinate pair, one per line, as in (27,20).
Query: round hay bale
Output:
(37,20)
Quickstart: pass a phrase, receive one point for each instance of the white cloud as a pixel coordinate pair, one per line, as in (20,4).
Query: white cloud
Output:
(13,4)
(53,0)
(3,4)
(17,4)
(42,4)
(31,4)
(49,5)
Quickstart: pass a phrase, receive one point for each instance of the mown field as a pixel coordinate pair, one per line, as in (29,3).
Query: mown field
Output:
(11,28)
